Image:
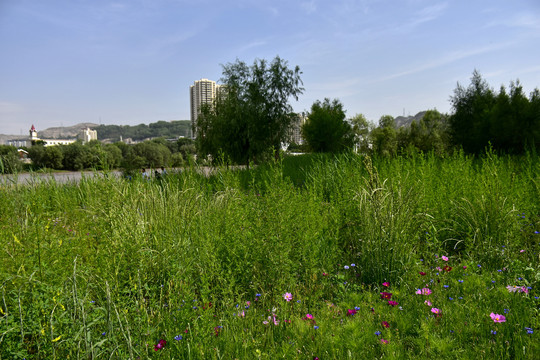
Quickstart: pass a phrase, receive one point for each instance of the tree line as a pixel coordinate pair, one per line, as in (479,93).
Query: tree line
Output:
(251,119)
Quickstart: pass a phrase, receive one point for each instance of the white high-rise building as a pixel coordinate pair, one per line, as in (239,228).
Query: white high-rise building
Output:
(201,92)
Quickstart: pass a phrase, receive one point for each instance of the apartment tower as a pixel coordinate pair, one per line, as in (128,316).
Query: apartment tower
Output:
(201,92)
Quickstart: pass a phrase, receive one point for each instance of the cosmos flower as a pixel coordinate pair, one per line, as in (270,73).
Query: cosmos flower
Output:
(287,296)
(497,318)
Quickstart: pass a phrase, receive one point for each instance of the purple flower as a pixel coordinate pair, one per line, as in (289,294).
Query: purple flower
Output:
(497,318)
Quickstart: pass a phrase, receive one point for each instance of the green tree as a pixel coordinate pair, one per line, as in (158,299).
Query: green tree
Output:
(470,121)
(384,137)
(9,160)
(361,128)
(252,116)
(325,129)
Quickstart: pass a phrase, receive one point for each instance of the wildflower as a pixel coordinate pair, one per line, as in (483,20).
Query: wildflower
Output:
(104,333)
(460,281)
(450,298)
(444,258)
(447,268)
(427,302)
(422,273)
(357,308)
(351,312)
(160,345)
(385,324)
(287,296)
(446,286)
(423,291)
(435,311)
(309,317)
(346,267)
(324,274)
(386,295)
(377,333)
(265,322)
(493,332)
(464,267)
(178,337)
(521,251)
(387,284)
(497,318)
(392,303)
(315,327)
(353,265)
(529,330)
(257,295)
(384,341)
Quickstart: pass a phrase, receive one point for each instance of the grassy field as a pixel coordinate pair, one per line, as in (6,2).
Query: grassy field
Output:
(314,257)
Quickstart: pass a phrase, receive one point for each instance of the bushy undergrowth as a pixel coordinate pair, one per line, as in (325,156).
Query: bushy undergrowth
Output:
(310,257)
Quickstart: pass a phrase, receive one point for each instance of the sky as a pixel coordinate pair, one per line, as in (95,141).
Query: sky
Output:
(127,62)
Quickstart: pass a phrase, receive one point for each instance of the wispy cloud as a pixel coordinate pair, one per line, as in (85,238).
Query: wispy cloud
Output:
(309,6)
(448,59)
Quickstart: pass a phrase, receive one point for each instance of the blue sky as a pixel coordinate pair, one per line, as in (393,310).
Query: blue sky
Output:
(131,62)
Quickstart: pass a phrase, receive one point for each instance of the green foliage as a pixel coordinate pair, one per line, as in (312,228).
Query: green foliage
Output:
(106,267)
(252,115)
(9,160)
(325,129)
(167,129)
(509,122)
(384,137)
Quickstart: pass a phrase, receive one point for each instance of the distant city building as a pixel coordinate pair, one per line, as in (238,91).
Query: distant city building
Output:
(296,130)
(88,135)
(201,92)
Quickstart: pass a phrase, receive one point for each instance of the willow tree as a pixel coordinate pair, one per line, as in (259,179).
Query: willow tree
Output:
(251,116)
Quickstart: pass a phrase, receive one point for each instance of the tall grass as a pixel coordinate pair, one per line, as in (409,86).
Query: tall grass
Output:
(107,267)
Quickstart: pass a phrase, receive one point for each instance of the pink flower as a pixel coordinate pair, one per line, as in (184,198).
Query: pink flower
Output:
(435,311)
(423,291)
(521,251)
(351,312)
(384,341)
(444,258)
(427,302)
(309,316)
(497,318)
(385,324)
(386,295)
(387,284)
(464,266)
(392,303)
(287,296)
(422,273)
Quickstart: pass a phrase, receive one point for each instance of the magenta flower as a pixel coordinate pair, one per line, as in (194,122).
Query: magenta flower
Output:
(287,296)
(160,345)
(497,318)
(427,302)
(392,303)
(444,258)
(309,316)
(422,273)
(387,284)
(385,324)
(351,312)
(384,341)
(386,295)
(435,311)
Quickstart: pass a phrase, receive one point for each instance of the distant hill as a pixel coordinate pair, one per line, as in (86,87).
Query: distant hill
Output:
(112,133)
(64,132)
(167,129)
(402,121)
